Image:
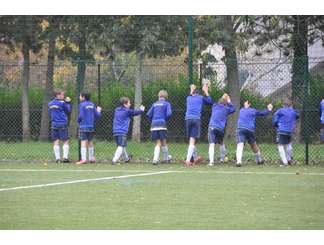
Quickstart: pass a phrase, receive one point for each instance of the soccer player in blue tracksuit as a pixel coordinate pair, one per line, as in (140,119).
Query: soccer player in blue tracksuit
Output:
(88,113)
(59,109)
(284,120)
(195,103)
(158,114)
(322,120)
(122,116)
(217,124)
(245,131)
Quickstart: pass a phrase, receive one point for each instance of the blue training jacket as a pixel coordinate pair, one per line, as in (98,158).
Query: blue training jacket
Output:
(159,113)
(122,119)
(194,105)
(219,115)
(58,110)
(322,111)
(87,115)
(284,119)
(247,118)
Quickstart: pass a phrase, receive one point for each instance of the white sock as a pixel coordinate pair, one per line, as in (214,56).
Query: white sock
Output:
(258,157)
(65,151)
(282,154)
(165,153)
(156,156)
(118,153)
(222,151)
(191,149)
(211,152)
(289,150)
(91,153)
(57,154)
(195,153)
(239,152)
(126,158)
(84,153)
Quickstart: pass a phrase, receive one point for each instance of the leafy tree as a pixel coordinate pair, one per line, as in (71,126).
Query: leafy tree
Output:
(227,31)
(23,32)
(50,35)
(147,36)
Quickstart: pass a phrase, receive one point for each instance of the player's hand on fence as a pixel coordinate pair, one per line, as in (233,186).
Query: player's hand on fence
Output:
(205,88)
(67,99)
(192,88)
(142,108)
(270,107)
(99,109)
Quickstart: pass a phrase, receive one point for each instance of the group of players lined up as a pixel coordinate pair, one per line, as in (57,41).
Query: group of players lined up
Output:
(284,120)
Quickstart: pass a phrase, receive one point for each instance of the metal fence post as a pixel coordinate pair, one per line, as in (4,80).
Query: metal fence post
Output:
(77,94)
(190,34)
(99,84)
(306,105)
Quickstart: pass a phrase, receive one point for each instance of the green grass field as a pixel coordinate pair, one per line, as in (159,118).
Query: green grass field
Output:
(168,196)
(43,152)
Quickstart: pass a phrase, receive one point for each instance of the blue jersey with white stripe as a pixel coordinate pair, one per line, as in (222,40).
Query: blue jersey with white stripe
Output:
(159,113)
(285,119)
(247,118)
(58,110)
(87,115)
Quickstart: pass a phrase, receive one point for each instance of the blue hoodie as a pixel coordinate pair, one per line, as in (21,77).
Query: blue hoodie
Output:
(122,119)
(322,111)
(159,113)
(194,105)
(219,115)
(87,115)
(284,119)
(247,118)
(58,110)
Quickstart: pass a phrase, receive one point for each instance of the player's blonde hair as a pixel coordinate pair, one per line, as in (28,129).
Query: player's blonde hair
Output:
(163,94)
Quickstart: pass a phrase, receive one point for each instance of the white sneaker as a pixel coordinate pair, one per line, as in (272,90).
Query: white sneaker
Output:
(210,164)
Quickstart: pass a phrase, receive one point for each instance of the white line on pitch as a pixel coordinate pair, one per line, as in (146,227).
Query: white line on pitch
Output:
(84,180)
(174,171)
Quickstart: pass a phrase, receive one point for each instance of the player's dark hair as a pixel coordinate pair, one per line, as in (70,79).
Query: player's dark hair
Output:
(287,102)
(123,101)
(86,95)
(58,92)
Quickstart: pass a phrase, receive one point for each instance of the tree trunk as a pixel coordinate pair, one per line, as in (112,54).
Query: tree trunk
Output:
(233,85)
(49,85)
(136,134)
(25,100)
(81,71)
(299,70)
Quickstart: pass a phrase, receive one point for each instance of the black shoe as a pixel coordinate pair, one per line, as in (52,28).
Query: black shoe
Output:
(58,161)
(261,162)
(238,165)
(155,163)
(129,158)
(66,160)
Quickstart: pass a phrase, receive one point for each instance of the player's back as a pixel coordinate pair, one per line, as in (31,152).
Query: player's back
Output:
(121,120)
(219,115)
(194,106)
(58,109)
(87,114)
(246,118)
(287,117)
(322,110)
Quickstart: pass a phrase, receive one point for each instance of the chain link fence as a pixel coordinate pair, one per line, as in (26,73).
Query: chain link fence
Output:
(261,82)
